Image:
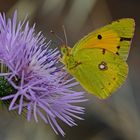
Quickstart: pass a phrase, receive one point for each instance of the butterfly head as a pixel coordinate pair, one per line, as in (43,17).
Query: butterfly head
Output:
(66,52)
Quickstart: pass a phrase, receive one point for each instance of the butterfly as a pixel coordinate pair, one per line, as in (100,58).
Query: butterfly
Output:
(98,60)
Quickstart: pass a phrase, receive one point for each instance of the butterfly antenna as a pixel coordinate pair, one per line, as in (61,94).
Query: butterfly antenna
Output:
(57,36)
(65,35)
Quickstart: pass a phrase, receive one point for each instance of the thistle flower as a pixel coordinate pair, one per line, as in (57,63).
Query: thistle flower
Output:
(32,78)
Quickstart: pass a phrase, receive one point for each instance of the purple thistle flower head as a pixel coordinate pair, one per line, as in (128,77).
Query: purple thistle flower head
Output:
(40,86)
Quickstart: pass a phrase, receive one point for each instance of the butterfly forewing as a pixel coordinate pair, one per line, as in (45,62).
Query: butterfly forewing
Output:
(115,37)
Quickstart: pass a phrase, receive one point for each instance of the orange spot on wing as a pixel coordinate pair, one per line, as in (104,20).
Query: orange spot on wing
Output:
(109,41)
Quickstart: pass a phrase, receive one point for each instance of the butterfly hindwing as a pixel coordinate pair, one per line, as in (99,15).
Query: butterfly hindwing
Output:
(100,74)
(115,37)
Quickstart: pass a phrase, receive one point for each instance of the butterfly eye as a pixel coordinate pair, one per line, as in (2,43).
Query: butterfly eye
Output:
(99,37)
(63,50)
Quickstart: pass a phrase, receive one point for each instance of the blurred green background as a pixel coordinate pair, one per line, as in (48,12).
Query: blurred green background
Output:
(117,118)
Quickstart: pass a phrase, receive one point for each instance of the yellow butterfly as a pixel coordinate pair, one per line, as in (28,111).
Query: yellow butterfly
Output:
(98,61)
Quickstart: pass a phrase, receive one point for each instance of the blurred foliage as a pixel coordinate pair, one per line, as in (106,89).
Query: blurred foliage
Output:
(117,118)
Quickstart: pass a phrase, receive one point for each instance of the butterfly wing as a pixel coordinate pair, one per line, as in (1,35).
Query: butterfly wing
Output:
(99,74)
(115,37)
